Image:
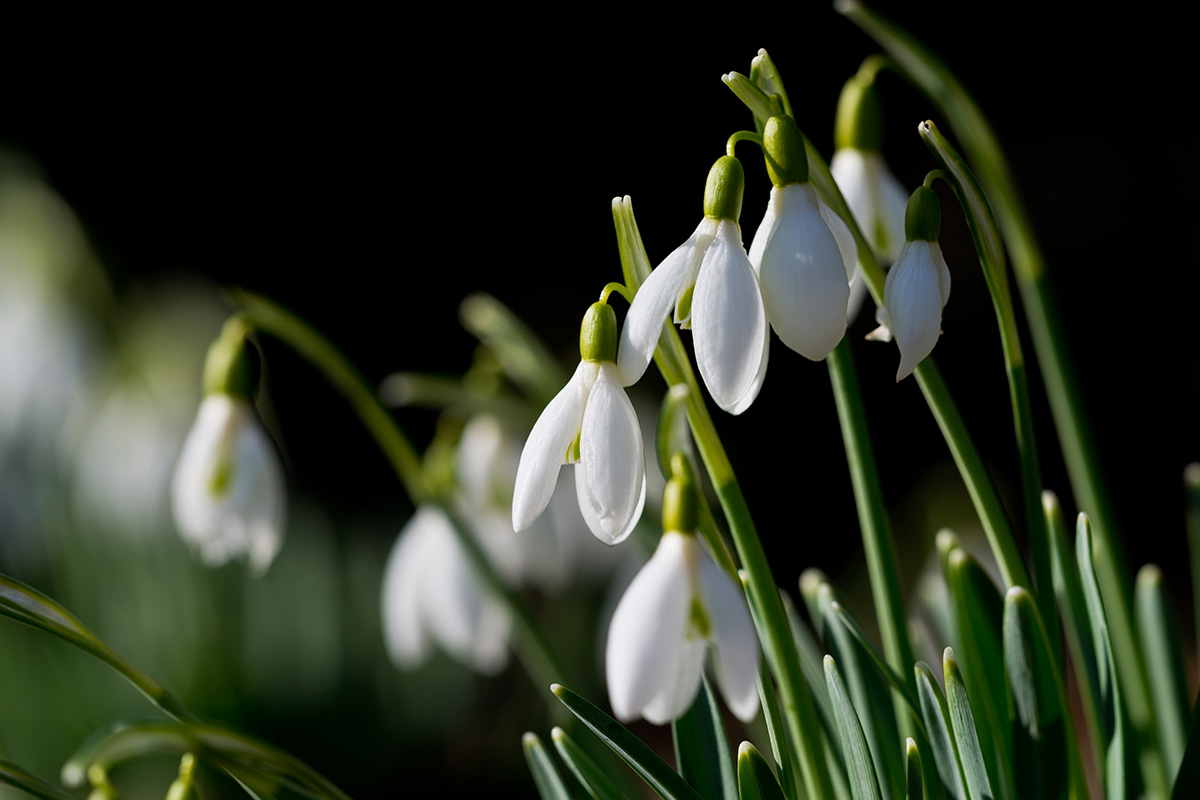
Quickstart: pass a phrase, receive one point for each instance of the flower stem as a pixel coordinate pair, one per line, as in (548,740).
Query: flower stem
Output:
(778,646)
(535,650)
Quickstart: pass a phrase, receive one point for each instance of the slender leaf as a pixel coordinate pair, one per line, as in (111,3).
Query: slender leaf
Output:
(1108,688)
(966,737)
(855,752)
(524,358)
(549,783)
(27,782)
(941,734)
(632,750)
(914,781)
(869,693)
(776,731)
(1191,485)
(1159,635)
(701,750)
(594,780)
(811,655)
(1187,780)
(1040,735)
(889,674)
(754,778)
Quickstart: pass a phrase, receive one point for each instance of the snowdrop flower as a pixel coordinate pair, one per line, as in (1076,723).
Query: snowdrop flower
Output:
(431,593)
(917,287)
(227,492)
(875,197)
(804,254)
(679,604)
(710,284)
(590,423)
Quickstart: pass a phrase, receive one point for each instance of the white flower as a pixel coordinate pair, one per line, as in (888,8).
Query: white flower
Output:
(875,197)
(432,593)
(677,605)
(711,285)
(590,423)
(805,257)
(227,493)
(917,288)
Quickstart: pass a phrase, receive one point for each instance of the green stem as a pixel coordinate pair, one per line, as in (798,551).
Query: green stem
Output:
(535,650)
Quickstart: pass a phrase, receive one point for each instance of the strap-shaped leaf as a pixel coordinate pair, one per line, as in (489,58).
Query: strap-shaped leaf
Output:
(27,782)
(885,669)
(914,782)
(589,774)
(1040,736)
(855,752)
(701,750)
(1159,635)
(1108,689)
(549,783)
(754,778)
(966,737)
(941,733)
(632,750)
(776,731)
(262,768)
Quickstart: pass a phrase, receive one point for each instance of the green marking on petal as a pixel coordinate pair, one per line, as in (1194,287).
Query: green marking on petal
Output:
(700,619)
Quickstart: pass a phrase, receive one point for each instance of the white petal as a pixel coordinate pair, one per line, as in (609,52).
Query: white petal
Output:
(913,298)
(478,460)
(735,639)
(804,284)
(546,448)
(728,320)
(612,463)
(935,250)
(654,299)
(681,685)
(648,628)
(893,202)
(858,293)
(760,376)
(759,243)
(849,170)
(592,520)
(403,631)
(841,234)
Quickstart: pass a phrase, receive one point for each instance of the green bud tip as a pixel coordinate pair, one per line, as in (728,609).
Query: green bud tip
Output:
(680,504)
(229,367)
(723,191)
(783,148)
(923,216)
(859,122)
(598,334)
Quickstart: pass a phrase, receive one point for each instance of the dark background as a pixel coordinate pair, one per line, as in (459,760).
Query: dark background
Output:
(369,174)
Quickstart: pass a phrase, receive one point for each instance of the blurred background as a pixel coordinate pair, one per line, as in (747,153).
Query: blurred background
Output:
(369,176)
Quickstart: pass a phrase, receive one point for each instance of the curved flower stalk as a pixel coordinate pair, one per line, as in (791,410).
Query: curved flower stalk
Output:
(679,604)
(228,492)
(590,423)
(432,594)
(917,286)
(711,285)
(804,254)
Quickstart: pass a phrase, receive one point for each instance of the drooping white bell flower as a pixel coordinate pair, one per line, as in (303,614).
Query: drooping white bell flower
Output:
(917,287)
(710,284)
(678,605)
(431,593)
(875,197)
(590,423)
(227,493)
(804,254)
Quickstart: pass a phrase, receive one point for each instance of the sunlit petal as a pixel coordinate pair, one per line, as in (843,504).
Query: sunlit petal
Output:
(545,450)
(612,461)
(735,639)
(681,685)
(914,299)
(653,301)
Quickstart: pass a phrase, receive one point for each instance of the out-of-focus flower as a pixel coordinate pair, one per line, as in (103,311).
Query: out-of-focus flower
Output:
(709,282)
(431,593)
(590,423)
(804,254)
(228,492)
(679,604)
(917,287)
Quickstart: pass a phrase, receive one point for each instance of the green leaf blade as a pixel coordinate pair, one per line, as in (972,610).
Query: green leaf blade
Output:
(754,778)
(594,780)
(855,752)
(549,783)
(701,750)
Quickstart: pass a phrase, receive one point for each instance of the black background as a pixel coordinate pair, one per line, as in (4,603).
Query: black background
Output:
(369,173)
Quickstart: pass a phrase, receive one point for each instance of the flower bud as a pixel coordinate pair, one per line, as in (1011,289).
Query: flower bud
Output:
(598,335)
(229,365)
(783,147)
(859,121)
(923,216)
(723,190)
(183,788)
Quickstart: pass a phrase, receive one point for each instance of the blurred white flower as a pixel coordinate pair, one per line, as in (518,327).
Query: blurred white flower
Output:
(592,424)
(228,491)
(875,197)
(431,593)
(679,604)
